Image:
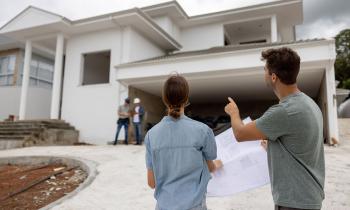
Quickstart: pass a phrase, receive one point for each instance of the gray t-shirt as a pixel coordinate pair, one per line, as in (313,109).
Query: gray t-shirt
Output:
(294,128)
(123,109)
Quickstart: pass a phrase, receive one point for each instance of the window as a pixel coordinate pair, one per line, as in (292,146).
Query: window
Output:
(247,32)
(7,68)
(96,68)
(41,73)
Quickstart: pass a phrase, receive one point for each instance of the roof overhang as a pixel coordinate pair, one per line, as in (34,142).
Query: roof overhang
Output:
(227,72)
(171,9)
(34,22)
(288,12)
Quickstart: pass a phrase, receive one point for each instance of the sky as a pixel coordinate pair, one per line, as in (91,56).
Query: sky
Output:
(322,18)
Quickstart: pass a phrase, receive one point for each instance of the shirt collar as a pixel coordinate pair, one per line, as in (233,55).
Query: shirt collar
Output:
(169,118)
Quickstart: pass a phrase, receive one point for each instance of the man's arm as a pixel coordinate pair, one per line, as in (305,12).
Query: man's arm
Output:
(248,132)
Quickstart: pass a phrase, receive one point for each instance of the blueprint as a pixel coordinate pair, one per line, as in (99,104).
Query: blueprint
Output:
(245,165)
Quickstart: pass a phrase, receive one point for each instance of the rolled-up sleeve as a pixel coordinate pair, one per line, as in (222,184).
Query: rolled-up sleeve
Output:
(149,164)
(209,148)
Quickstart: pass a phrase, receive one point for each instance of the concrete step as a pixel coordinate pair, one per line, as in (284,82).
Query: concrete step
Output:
(19,132)
(34,129)
(34,121)
(31,126)
(12,137)
(25,133)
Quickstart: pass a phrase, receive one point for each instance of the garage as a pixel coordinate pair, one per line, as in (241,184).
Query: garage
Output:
(217,73)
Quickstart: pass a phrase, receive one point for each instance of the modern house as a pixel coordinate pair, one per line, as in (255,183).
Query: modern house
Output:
(101,60)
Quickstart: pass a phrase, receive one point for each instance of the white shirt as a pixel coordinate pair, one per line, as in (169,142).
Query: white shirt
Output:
(136,118)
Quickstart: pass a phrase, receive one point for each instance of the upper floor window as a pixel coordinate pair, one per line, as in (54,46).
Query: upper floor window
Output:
(7,69)
(249,32)
(96,68)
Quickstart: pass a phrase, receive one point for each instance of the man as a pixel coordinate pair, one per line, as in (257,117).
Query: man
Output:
(294,129)
(123,121)
(138,114)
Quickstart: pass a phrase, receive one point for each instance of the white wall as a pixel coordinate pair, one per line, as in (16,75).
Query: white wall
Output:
(168,25)
(92,109)
(286,33)
(9,104)
(139,47)
(38,104)
(202,37)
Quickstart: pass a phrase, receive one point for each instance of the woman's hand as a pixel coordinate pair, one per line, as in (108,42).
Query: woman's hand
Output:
(264,143)
(218,164)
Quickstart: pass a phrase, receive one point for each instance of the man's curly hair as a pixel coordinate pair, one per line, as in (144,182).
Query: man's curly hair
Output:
(284,62)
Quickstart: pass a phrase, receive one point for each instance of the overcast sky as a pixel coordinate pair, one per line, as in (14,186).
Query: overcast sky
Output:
(322,18)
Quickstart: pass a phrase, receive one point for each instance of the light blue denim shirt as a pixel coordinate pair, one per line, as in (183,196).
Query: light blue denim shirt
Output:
(176,151)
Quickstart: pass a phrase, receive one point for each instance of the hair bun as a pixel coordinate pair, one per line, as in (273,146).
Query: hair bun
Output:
(175,112)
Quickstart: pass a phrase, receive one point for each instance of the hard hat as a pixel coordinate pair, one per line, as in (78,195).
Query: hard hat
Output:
(137,100)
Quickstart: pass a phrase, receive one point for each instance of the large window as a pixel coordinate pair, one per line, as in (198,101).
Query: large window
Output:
(96,68)
(41,73)
(7,68)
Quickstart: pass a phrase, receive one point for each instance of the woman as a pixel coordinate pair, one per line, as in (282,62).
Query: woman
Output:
(179,153)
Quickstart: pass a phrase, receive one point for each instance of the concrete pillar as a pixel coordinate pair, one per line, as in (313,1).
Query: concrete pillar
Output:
(274,32)
(333,131)
(57,79)
(25,80)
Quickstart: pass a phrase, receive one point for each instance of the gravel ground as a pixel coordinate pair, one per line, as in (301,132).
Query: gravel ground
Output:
(121,182)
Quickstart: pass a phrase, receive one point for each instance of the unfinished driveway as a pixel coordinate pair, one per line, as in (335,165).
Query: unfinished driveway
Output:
(121,180)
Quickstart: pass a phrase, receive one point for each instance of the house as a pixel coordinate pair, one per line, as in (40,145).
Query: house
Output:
(40,82)
(101,60)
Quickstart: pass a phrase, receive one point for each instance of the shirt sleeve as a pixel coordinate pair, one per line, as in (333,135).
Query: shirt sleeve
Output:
(274,122)
(149,163)
(209,148)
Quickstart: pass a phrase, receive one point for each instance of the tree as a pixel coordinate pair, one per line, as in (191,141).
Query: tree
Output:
(342,62)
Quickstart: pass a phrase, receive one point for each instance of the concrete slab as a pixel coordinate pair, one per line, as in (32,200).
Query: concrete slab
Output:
(121,180)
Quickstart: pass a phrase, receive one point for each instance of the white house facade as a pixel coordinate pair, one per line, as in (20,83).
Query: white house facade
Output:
(99,61)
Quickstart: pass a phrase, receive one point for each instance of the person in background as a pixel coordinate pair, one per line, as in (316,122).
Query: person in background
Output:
(138,114)
(179,153)
(123,120)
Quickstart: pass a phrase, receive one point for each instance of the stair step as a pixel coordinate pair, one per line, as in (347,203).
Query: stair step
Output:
(28,126)
(17,137)
(14,129)
(24,133)
(34,121)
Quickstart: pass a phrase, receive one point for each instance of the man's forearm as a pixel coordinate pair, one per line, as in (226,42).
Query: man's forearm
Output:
(237,124)
(123,114)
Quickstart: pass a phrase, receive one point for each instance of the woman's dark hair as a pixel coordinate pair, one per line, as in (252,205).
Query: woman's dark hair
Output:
(284,62)
(175,94)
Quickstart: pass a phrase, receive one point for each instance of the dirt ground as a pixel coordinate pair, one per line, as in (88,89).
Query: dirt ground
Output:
(16,178)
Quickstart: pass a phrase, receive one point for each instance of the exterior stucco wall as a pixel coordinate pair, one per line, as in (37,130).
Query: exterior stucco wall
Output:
(38,104)
(202,37)
(93,108)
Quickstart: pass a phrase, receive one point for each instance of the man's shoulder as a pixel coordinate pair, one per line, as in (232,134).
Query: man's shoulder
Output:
(280,108)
